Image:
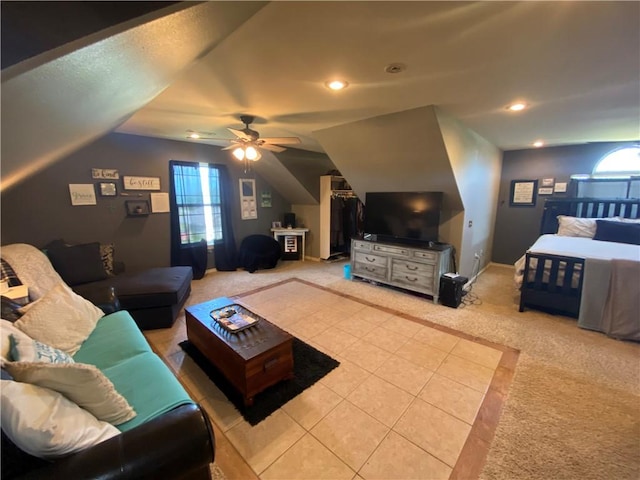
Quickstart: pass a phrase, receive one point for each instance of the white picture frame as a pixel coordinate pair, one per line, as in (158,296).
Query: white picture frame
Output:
(140,183)
(248,205)
(82,194)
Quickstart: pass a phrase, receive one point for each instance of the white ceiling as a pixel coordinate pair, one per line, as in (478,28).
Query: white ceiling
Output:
(577,64)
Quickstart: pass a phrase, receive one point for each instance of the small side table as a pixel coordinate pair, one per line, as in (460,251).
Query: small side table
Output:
(285,232)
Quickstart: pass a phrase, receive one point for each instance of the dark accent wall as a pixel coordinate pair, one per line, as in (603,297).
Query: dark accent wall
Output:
(518,227)
(39,209)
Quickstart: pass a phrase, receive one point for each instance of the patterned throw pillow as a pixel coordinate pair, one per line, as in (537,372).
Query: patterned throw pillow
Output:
(7,273)
(28,350)
(106,253)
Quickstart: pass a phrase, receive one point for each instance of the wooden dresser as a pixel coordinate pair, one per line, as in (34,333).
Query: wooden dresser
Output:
(410,267)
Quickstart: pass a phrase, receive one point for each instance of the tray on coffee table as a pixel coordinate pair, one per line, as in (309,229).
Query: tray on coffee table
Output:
(234,318)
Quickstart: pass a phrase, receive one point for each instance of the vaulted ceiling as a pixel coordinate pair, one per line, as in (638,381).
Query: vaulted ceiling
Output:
(197,66)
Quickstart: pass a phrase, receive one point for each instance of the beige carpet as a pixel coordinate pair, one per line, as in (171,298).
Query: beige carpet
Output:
(574,405)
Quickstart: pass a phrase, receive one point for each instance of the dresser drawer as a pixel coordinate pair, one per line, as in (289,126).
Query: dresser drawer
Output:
(370,259)
(423,255)
(413,281)
(406,267)
(377,272)
(390,249)
(360,245)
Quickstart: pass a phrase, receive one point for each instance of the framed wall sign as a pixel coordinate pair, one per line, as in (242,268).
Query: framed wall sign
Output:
(523,193)
(105,173)
(248,207)
(545,191)
(108,189)
(141,183)
(82,194)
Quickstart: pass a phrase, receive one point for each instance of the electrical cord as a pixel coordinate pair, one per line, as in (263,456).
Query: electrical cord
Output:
(469,298)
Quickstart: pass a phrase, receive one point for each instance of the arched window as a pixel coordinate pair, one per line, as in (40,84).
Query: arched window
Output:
(617,175)
(623,161)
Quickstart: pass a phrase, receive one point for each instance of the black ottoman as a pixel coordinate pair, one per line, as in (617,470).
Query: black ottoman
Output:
(153,297)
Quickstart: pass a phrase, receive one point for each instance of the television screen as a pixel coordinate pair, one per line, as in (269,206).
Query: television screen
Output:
(410,217)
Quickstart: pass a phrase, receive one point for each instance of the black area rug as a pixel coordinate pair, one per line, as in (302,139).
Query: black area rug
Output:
(309,366)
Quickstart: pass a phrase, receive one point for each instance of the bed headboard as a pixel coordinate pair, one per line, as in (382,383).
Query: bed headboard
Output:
(586,208)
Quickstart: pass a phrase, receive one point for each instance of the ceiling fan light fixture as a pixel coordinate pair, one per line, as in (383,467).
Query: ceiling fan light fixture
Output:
(538,143)
(252,153)
(238,153)
(194,135)
(336,84)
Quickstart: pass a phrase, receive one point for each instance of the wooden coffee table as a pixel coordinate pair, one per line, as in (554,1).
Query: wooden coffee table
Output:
(252,359)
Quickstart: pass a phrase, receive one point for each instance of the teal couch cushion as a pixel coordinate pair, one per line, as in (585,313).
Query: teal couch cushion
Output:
(115,338)
(119,349)
(148,385)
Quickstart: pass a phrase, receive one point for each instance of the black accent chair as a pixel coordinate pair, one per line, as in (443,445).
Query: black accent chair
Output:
(259,252)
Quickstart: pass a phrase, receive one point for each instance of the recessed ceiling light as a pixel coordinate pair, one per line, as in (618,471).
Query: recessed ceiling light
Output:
(395,68)
(194,135)
(516,107)
(337,84)
(538,143)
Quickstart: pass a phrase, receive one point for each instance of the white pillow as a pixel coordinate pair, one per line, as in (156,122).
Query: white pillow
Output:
(83,384)
(62,319)
(45,424)
(626,220)
(23,350)
(576,227)
(7,328)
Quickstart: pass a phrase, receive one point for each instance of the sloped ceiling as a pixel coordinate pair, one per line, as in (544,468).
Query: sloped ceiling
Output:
(54,103)
(198,66)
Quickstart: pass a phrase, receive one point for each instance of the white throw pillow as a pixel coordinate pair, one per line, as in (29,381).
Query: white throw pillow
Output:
(62,319)
(576,227)
(7,328)
(83,384)
(45,424)
(23,350)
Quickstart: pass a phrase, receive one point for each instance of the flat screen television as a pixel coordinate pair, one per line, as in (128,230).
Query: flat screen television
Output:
(403,217)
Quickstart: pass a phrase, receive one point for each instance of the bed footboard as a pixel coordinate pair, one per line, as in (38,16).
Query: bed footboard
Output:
(552,283)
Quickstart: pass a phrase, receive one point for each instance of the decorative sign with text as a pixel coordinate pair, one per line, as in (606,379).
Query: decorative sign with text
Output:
(82,194)
(105,173)
(141,183)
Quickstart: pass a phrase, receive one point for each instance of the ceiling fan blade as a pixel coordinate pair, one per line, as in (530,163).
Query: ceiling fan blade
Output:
(273,148)
(281,140)
(240,134)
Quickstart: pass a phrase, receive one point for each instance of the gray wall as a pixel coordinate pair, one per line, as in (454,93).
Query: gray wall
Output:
(39,209)
(517,228)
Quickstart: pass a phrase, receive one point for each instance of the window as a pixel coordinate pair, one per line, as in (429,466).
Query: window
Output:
(198,201)
(617,175)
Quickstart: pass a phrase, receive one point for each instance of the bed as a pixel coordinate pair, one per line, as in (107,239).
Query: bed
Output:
(586,265)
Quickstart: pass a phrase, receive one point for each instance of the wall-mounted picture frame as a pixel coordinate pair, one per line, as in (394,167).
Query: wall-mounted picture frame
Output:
(560,187)
(523,193)
(547,182)
(137,208)
(82,194)
(545,191)
(141,183)
(105,173)
(276,224)
(108,189)
(248,206)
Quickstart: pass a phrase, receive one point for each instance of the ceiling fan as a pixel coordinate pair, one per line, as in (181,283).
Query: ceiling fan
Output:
(247,141)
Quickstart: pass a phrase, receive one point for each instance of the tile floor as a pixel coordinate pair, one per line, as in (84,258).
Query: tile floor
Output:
(404,402)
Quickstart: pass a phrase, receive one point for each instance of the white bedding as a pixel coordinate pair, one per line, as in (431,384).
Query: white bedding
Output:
(578,247)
